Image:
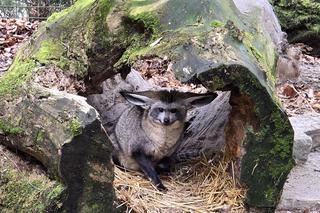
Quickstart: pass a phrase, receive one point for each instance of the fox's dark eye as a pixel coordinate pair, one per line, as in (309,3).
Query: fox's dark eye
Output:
(174,110)
(160,109)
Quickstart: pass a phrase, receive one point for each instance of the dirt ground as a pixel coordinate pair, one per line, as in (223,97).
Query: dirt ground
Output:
(302,95)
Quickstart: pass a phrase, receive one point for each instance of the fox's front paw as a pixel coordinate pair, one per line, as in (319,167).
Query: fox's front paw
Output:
(161,187)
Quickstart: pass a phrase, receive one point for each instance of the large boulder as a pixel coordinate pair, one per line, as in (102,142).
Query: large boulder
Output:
(226,45)
(65,134)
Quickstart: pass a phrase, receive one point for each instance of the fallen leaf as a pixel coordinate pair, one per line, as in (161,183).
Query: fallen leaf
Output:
(12,32)
(289,91)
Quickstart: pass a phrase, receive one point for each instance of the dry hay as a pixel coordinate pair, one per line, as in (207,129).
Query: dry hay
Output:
(197,186)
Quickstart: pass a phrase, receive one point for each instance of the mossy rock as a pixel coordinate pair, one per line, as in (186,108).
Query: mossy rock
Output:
(59,129)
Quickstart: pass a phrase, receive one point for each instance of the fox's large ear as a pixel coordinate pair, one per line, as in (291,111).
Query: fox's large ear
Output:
(137,99)
(198,100)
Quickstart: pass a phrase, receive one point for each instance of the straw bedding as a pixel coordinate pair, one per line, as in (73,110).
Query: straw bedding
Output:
(196,186)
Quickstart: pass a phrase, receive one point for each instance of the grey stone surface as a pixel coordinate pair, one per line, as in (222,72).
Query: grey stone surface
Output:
(301,191)
(302,147)
(306,135)
(270,20)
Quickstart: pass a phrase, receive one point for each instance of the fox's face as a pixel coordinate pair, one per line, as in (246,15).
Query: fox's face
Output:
(165,107)
(167,113)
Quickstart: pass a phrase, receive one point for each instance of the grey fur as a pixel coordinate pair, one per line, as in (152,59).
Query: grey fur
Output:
(141,130)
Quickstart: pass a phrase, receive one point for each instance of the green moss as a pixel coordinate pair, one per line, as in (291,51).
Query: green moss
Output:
(147,13)
(266,64)
(216,83)
(22,192)
(140,46)
(100,23)
(40,136)
(92,207)
(294,15)
(139,40)
(56,192)
(216,23)
(78,5)
(247,41)
(49,51)
(94,43)
(267,163)
(75,127)
(138,6)
(135,53)
(8,129)
(77,21)
(150,21)
(282,142)
(270,195)
(136,50)
(63,63)
(300,19)
(269,156)
(19,72)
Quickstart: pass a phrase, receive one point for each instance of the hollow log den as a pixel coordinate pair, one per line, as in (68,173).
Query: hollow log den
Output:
(61,106)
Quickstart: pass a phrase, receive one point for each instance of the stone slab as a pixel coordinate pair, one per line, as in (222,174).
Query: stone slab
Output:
(301,192)
(306,135)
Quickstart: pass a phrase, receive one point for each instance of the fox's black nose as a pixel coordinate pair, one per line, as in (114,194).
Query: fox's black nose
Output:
(166,121)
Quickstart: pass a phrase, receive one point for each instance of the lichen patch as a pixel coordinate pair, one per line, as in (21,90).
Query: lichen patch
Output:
(100,173)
